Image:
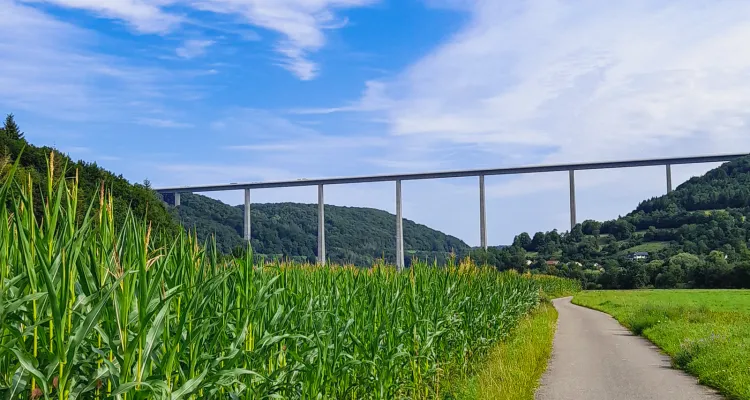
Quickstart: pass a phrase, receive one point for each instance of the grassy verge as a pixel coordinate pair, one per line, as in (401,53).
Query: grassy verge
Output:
(514,367)
(706,332)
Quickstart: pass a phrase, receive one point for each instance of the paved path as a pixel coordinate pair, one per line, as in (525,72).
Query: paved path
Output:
(595,358)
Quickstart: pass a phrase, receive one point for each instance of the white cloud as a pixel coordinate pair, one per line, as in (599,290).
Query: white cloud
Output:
(143,15)
(75,149)
(595,80)
(552,81)
(301,23)
(163,123)
(208,173)
(193,48)
(48,68)
(373,99)
(529,82)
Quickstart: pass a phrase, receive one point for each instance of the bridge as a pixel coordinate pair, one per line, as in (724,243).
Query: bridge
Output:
(398,178)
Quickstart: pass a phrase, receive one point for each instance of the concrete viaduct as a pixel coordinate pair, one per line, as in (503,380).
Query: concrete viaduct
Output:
(398,178)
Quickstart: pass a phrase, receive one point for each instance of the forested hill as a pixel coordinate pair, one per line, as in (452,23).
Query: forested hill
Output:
(34,159)
(727,186)
(696,236)
(353,235)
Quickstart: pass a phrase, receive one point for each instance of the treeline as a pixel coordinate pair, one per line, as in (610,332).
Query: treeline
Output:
(696,236)
(33,160)
(666,268)
(354,235)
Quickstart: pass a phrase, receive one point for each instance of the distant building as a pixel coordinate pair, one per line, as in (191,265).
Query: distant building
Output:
(552,262)
(529,262)
(638,256)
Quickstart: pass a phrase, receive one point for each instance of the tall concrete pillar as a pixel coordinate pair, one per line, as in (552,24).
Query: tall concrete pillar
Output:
(572,199)
(321,227)
(399,229)
(177,199)
(247,227)
(482,214)
(669,178)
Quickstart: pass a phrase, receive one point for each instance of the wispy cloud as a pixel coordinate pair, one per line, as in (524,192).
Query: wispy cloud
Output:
(193,48)
(596,80)
(212,173)
(562,82)
(143,15)
(373,99)
(307,143)
(75,149)
(530,82)
(49,68)
(548,81)
(163,123)
(301,23)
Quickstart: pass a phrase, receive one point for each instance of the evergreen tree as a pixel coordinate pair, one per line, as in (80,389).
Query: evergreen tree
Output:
(10,129)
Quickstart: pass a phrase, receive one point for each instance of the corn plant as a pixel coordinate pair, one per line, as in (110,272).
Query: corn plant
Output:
(92,310)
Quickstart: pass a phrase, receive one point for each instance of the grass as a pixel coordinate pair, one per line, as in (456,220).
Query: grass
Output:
(706,332)
(650,247)
(92,310)
(515,366)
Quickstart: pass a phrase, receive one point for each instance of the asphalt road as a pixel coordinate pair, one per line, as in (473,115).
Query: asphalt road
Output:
(595,358)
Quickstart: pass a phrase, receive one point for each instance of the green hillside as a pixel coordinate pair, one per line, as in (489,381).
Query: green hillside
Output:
(33,161)
(696,236)
(353,234)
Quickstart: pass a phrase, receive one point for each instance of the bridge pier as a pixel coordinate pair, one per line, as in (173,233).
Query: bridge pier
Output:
(246,223)
(482,215)
(321,227)
(572,199)
(399,229)
(176,199)
(669,178)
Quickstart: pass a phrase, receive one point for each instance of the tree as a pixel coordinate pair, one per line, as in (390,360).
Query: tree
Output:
(576,234)
(673,276)
(517,258)
(523,241)
(680,268)
(741,276)
(716,273)
(538,241)
(620,229)
(553,237)
(591,227)
(651,234)
(10,129)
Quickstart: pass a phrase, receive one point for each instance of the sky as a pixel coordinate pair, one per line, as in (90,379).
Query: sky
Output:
(190,92)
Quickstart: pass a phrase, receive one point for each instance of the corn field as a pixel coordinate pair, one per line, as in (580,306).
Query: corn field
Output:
(91,310)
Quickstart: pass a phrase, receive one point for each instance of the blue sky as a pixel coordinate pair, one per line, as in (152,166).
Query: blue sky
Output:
(214,91)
